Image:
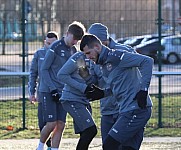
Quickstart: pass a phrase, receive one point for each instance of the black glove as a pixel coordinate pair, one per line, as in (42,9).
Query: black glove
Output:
(96,94)
(55,95)
(88,89)
(83,72)
(141,98)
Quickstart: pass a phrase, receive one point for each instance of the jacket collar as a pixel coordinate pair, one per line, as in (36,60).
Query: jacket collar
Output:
(103,55)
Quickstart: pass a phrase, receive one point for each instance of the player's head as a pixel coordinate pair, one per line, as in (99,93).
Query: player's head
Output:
(91,46)
(101,31)
(50,38)
(74,33)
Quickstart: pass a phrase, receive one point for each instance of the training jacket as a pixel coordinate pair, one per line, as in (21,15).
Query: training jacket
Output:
(109,105)
(55,58)
(75,85)
(120,71)
(35,75)
(114,45)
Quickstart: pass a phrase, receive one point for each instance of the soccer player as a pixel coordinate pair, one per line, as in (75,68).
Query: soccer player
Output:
(34,78)
(51,87)
(101,31)
(129,86)
(77,76)
(108,106)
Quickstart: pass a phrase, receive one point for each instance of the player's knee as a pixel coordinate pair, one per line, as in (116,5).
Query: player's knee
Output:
(89,133)
(60,125)
(92,131)
(86,137)
(51,125)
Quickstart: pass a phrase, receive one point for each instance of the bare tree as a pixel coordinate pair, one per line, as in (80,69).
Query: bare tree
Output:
(6,16)
(131,17)
(124,18)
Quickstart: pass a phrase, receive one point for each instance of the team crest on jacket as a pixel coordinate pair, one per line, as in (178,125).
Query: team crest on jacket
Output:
(109,66)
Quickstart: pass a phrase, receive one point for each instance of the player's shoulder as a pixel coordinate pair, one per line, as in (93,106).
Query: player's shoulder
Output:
(56,44)
(77,55)
(40,51)
(116,52)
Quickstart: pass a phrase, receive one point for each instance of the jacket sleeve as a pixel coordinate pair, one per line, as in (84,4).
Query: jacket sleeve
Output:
(49,58)
(64,75)
(32,83)
(144,63)
(93,74)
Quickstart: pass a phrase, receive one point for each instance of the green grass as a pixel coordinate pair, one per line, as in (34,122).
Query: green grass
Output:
(11,114)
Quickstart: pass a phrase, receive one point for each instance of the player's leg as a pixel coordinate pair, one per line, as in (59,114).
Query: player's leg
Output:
(135,141)
(84,123)
(49,108)
(57,134)
(41,122)
(48,143)
(86,137)
(111,143)
(127,126)
(58,131)
(86,133)
(107,121)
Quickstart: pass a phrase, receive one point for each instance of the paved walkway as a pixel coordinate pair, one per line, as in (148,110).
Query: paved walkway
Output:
(154,143)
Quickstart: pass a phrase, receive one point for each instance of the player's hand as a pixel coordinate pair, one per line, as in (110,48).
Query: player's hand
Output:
(96,94)
(55,95)
(88,89)
(32,99)
(83,71)
(82,67)
(141,98)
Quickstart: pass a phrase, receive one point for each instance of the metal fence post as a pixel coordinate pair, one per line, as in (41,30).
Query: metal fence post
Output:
(159,66)
(23,60)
